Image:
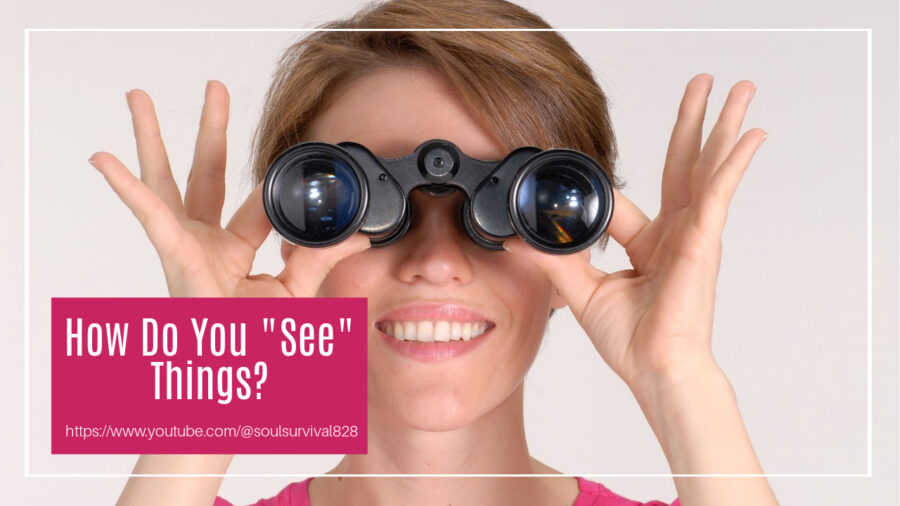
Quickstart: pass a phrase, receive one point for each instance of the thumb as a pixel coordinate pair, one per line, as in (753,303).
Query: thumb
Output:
(306,268)
(572,274)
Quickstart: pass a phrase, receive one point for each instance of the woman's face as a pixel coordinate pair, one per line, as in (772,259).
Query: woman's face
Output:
(434,283)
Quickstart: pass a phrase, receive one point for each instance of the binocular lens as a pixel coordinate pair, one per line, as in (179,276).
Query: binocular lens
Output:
(559,203)
(317,198)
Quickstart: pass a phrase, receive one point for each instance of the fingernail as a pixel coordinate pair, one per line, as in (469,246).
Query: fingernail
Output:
(761,141)
(92,162)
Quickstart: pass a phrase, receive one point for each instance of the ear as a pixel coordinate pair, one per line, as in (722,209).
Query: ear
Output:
(557,301)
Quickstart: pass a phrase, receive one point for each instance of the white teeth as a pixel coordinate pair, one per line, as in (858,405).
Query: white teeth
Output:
(425,331)
(442,331)
(431,331)
(455,330)
(409,331)
(466,331)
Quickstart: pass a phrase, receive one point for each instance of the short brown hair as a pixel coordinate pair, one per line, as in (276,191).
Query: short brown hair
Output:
(526,87)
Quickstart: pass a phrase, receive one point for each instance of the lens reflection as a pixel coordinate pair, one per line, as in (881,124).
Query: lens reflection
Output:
(559,203)
(318,197)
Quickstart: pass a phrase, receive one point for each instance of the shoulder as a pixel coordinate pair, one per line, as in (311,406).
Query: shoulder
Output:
(295,494)
(592,493)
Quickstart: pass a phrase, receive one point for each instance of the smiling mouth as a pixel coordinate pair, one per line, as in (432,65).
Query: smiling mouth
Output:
(427,331)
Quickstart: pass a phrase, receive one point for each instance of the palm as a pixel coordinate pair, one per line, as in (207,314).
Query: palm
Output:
(200,258)
(657,316)
(645,312)
(222,261)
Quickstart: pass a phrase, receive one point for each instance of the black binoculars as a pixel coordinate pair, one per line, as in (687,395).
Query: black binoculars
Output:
(318,194)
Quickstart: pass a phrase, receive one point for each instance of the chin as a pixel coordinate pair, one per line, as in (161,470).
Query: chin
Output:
(435,408)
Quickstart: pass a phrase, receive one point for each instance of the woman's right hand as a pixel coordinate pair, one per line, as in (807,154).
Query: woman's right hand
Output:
(202,259)
(199,257)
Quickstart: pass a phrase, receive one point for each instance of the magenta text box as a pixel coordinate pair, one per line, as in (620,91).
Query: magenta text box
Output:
(271,375)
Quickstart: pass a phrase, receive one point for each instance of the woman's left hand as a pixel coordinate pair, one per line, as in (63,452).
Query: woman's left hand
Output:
(653,323)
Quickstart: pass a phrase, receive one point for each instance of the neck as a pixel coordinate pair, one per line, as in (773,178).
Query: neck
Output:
(492,444)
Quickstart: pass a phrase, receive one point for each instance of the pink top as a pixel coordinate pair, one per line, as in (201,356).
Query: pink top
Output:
(591,494)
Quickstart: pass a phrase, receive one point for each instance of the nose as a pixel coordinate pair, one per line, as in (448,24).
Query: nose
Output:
(435,249)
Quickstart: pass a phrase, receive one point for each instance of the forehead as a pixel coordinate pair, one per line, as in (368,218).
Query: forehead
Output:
(393,110)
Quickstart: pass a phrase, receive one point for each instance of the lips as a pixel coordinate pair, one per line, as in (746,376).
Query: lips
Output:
(434,331)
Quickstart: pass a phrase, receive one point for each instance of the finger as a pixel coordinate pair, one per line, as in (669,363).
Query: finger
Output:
(205,192)
(306,268)
(159,222)
(154,161)
(627,220)
(723,135)
(250,222)
(713,206)
(684,145)
(573,275)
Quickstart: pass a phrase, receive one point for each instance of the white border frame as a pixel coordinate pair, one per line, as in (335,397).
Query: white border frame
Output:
(26,328)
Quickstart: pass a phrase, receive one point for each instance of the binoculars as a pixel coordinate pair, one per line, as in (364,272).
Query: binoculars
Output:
(557,200)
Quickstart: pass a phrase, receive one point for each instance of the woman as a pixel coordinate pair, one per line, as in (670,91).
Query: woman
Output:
(487,92)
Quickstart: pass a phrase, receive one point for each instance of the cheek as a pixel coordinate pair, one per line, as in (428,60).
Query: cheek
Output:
(354,276)
(528,294)
(525,280)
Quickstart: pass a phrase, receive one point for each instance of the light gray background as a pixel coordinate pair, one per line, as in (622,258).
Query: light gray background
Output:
(790,323)
(789,292)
